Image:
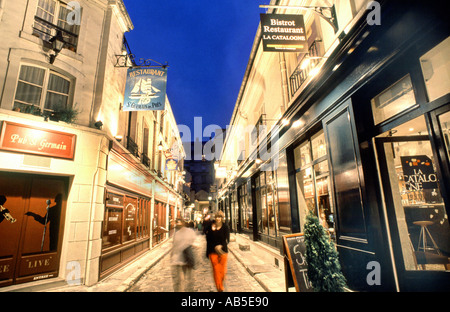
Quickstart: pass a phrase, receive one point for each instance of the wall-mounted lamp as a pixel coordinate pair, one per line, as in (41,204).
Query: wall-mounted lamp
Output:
(297,123)
(57,45)
(99,125)
(160,146)
(258,161)
(118,138)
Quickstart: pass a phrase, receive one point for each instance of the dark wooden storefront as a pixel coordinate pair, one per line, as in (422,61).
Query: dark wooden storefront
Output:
(29,250)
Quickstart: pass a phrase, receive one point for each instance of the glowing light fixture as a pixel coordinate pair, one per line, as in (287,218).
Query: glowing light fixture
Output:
(297,123)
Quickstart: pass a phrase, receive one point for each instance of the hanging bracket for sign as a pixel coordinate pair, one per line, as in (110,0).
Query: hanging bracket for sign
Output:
(130,61)
(330,18)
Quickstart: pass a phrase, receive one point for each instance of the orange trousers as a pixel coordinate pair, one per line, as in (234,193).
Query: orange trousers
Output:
(219,264)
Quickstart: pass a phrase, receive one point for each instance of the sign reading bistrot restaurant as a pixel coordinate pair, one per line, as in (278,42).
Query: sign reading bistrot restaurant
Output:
(283,32)
(145,89)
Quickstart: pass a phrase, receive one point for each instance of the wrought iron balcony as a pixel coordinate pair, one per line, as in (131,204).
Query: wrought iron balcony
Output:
(46,30)
(145,160)
(302,71)
(132,147)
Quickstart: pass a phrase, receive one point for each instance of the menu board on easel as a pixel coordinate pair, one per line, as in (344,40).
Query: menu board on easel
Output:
(295,265)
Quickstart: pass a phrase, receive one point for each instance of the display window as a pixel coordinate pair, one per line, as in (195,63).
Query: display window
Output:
(394,100)
(435,65)
(126,219)
(312,180)
(246,212)
(417,203)
(267,203)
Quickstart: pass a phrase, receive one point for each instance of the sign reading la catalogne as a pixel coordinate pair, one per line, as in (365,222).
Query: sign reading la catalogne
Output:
(283,32)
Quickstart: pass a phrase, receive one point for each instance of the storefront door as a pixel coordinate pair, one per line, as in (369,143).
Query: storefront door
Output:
(31,235)
(414,173)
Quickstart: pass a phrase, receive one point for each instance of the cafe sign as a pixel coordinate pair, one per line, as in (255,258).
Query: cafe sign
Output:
(418,173)
(30,140)
(283,32)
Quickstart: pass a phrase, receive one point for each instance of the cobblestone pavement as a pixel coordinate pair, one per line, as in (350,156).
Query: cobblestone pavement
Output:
(159,278)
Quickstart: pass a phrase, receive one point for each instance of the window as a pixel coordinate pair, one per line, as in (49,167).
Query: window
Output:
(420,210)
(393,100)
(312,177)
(436,70)
(52,15)
(41,90)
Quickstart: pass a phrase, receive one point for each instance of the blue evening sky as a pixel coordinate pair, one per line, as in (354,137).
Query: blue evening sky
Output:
(207,46)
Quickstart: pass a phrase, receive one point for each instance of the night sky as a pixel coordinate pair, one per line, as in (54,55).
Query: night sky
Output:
(207,46)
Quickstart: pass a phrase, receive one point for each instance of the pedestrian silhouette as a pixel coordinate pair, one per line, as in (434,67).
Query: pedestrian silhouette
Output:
(182,257)
(217,239)
(4,213)
(53,217)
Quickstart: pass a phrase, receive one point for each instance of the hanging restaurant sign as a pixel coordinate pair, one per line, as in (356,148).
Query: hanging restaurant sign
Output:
(171,164)
(29,140)
(145,89)
(283,32)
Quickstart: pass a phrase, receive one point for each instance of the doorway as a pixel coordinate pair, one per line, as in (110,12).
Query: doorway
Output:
(413,178)
(32,235)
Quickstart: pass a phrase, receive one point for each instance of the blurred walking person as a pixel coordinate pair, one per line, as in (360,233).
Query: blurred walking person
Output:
(182,257)
(217,239)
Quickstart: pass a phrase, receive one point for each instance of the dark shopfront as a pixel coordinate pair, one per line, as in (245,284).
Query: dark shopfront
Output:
(129,228)
(380,179)
(372,157)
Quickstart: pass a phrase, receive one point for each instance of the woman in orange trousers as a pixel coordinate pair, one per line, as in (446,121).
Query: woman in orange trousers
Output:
(217,238)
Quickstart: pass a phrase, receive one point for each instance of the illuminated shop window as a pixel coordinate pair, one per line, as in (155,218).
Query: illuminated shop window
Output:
(436,70)
(394,100)
(312,179)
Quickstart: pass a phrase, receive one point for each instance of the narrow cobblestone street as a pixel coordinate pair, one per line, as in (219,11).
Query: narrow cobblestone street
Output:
(159,278)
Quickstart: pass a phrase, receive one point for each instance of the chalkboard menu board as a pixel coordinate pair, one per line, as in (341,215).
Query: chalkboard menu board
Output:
(295,265)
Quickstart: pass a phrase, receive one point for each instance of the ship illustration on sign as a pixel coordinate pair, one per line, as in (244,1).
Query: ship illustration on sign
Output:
(144,91)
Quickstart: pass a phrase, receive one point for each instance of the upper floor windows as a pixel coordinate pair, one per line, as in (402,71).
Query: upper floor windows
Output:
(53,15)
(41,90)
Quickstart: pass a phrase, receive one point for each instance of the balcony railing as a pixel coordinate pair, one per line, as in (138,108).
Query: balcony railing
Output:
(302,71)
(145,160)
(132,147)
(46,30)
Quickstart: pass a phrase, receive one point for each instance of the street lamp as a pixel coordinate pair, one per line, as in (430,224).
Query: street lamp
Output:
(57,45)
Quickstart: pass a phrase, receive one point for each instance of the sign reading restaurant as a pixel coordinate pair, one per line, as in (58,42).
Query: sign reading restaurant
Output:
(283,32)
(145,89)
(26,139)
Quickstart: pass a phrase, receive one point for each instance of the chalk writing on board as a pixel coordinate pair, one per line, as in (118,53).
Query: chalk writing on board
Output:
(295,249)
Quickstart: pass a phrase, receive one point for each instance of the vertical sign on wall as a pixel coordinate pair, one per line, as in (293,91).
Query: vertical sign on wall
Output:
(145,89)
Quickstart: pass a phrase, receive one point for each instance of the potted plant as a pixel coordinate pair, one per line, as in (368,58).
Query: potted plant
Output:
(63,113)
(324,269)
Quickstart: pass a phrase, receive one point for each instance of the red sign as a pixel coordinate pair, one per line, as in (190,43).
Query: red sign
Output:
(26,139)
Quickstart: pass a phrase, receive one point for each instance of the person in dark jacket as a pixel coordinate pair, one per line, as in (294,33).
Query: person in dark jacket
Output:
(217,239)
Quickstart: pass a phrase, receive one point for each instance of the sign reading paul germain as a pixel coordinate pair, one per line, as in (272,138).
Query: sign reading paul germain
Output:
(283,32)
(145,89)
(29,140)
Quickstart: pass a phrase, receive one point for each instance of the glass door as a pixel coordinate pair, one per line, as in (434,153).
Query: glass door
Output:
(415,206)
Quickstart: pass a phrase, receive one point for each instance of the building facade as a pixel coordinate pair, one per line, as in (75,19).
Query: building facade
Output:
(200,169)
(84,181)
(355,130)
